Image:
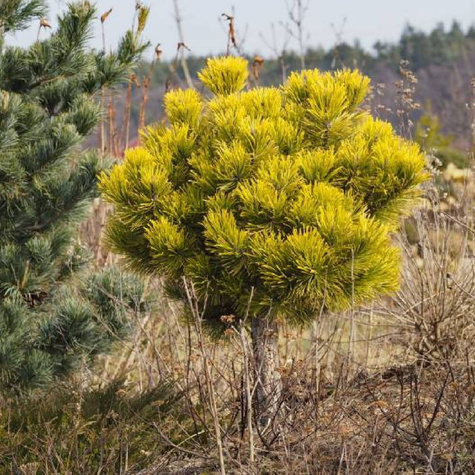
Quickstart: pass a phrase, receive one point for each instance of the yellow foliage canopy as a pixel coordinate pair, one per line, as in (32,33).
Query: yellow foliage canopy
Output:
(286,194)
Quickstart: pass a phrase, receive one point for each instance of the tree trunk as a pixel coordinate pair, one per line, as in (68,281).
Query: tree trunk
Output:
(265,337)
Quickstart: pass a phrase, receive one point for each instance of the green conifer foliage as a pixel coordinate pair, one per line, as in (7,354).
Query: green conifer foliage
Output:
(49,321)
(288,195)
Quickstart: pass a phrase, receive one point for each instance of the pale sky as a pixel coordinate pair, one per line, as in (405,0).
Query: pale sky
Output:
(205,31)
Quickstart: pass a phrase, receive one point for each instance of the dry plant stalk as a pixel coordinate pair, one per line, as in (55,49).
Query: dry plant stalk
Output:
(157,54)
(249,392)
(174,76)
(247,380)
(472,119)
(338,32)
(256,67)
(125,129)
(231,33)
(104,17)
(113,149)
(278,52)
(406,104)
(198,324)
(296,13)
(181,41)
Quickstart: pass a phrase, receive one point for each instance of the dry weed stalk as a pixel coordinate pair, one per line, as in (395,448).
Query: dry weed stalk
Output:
(125,129)
(198,324)
(296,13)
(256,66)
(246,349)
(174,76)
(231,33)
(406,103)
(338,32)
(104,17)
(146,86)
(181,41)
(279,52)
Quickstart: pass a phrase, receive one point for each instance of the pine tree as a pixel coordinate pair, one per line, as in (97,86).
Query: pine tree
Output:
(275,203)
(51,322)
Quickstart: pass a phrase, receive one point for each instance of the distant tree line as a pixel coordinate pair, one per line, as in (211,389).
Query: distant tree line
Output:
(420,48)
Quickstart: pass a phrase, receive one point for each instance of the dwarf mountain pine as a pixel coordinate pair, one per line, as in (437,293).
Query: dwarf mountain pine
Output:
(287,194)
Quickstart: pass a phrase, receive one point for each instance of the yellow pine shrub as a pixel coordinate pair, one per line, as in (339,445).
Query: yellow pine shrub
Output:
(286,194)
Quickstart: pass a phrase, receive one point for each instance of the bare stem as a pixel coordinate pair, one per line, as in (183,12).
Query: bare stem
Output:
(197,320)
(181,38)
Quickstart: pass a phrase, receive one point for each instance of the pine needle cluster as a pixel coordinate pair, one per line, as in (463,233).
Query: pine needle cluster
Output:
(281,198)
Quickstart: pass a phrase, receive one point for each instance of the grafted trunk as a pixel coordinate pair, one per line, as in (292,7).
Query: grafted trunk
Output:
(265,339)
